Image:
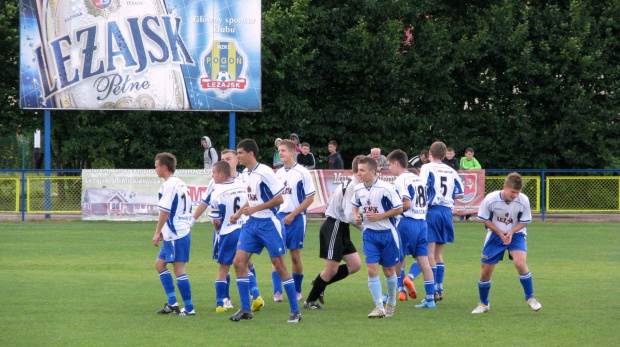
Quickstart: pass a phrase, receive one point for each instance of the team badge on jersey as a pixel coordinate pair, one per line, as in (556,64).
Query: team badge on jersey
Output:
(223,65)
(470,186)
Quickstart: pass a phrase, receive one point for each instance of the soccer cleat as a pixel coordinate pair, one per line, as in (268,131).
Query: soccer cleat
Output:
(313,305)
(241,314)
(220,309)
(227,303)
(407,282)
(389,309)
(482,308)
(258,303)
(169,309)
(321,296)
(277,297)
(184,313)
(295,317)
(534,304)
(402,296)
(377,312)
(426,304)
(438,295)
(299,297)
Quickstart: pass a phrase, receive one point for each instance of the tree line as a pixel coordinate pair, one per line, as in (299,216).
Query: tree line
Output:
(528,84)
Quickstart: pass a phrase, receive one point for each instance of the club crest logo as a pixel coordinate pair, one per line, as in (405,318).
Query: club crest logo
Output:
(101,8)
(470,184)
(224,65)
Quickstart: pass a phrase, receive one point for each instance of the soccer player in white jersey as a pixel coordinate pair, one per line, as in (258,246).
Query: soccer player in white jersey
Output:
(380,206)
(505,214)
(229,156)
(298,196)
(173,227)
(335,240)
(412,224)
(443,187)
(262,229)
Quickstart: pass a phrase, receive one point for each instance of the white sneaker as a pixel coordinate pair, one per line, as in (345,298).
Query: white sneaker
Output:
(227,303)
(377,312)
(534,304)
(389,309)
(482,308)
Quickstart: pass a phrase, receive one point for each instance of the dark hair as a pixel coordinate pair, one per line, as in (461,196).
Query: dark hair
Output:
(438,150)
(222,166)
(248,145)
(168,160)
(333,142)
(469,149)
(449,149)
(398,156)
(356,161)
(370,161)
(290,145)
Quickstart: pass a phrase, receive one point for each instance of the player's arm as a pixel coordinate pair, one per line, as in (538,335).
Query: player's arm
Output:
(163,216)
(356,214)
(288,219)
(235,217)
(407,204)
(273,202)
(373,217)
(199,211)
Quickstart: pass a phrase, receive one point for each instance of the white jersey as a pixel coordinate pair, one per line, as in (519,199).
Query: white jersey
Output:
(206,195)
(298,186)
(379,198)
(442,183)
(339,204)
(227,199)
(411,187)
(505,215)
(262,186)
(174,199)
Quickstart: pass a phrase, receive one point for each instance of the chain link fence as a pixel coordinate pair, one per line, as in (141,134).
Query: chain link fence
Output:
(583,194)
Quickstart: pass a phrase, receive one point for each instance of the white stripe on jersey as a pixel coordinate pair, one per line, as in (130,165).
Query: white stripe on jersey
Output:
(226,199)
(298,186)
(411,187)
(505,215)
(442,184)
(174,198)
(379,198)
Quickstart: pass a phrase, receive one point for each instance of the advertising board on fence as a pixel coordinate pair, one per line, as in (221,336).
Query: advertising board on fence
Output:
(140,54)
(132,194)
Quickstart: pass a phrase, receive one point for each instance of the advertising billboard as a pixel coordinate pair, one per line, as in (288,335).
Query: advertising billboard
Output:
(140,54)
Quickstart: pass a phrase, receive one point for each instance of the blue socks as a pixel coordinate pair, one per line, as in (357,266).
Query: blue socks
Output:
(528,286)
(483,290)
(374,284)
(289,287)
(429,288)
(439,277)
(277,282)
(243,284)
(414,270)
(253,286)
(298,278)
(220,292)
(392,284)
(166,280)
(227,293)
(401,276)
(434,268)
(186,292)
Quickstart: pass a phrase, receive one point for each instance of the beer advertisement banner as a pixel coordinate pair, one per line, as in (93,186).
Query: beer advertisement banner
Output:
(140,54)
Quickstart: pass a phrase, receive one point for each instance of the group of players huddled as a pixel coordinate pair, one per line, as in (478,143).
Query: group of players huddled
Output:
(259,209)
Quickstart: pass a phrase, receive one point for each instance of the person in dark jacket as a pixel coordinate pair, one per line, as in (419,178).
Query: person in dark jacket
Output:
(305,158)
(334,160)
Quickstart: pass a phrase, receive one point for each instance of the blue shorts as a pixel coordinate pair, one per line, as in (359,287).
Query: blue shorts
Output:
(177,250)
(295,232)
(439,222)
(225,247)
(259,233)
(382,246)
(413,236)
(493,250)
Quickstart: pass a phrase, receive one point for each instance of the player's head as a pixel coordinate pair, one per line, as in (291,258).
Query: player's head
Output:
(367,169)
(247,150)
(356,161)
(397,157)
(469,153)
(230,156)
(424,156)
(286,150)
(438,150)
(332,146)
(375,153)
(165,163)
(305,148)
(512,186)
(221,172)
(450,153)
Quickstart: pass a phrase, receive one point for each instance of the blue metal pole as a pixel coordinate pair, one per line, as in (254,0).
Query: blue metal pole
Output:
(23,195)
(47,159)
(542,195)
(231,130)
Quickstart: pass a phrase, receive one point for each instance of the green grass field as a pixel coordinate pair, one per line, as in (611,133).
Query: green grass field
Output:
(75,283)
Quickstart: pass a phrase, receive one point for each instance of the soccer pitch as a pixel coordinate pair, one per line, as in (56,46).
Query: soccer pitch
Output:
(94,283)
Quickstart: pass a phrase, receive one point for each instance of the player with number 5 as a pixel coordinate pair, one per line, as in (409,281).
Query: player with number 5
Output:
(443,187)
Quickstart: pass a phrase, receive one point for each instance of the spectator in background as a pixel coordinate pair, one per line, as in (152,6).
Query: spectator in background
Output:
(468,162)
(210,155)
(295,139)
(419,160)
(334,160)
(450,160)
(381,160)
(277,163)
(306,158)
